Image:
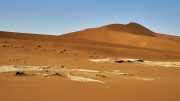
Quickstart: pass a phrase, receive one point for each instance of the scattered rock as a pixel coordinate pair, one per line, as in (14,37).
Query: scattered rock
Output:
(128,74)
(20,74)
(47,67)
(62,66)
(100,75)
(119,61)
(91,56)
(6,45)
(63,50)
(55,74)
(123,61)
(58,74)
(94,53)
(39,46)
(4,42)
(140,60)
(129,61)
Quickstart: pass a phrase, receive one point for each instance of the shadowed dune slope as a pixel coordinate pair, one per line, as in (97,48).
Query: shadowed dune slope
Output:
(27,36)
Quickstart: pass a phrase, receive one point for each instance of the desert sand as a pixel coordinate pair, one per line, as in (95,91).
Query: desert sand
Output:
(115,62)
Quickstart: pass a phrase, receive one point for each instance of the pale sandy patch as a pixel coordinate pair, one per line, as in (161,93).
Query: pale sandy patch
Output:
(143,78)
(150,63)
(164,64)
(100,60)
(8,69)
(114,60)
(82,79)
(86,70)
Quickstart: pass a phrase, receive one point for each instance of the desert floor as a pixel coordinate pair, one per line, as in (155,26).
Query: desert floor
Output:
(70,71)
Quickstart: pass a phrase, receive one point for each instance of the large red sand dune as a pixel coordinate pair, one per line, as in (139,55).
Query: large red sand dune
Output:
(116,40)
(131,34)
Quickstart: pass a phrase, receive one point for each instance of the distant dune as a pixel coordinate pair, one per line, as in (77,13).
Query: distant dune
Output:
(124,40)
(131,34)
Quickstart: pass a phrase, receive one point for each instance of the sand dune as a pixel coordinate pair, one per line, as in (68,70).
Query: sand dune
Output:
(131,34)
(113,62)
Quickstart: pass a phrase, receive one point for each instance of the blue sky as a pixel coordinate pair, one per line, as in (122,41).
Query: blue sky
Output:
(62,16)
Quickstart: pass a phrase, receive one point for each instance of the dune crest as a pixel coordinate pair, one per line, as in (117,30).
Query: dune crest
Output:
(128,40)
(132,34)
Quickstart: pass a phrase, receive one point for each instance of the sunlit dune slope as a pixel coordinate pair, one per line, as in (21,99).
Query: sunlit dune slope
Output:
(131,34)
